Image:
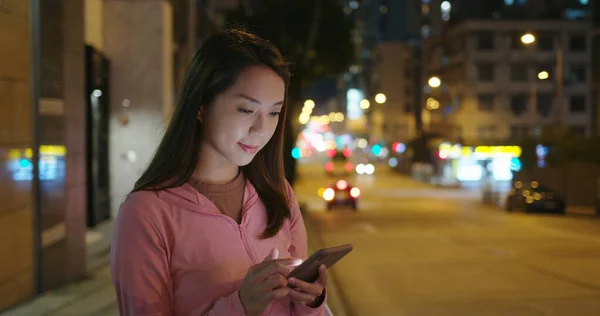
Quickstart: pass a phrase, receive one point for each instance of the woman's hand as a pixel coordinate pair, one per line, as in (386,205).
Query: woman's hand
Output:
(309,293)
(266,282)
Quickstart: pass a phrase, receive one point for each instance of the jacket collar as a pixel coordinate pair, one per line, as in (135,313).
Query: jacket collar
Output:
(186,196)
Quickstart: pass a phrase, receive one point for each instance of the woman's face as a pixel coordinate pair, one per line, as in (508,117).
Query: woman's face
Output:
(243,118)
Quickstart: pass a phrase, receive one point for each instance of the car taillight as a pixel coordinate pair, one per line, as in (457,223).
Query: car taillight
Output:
(342,185)
(347,152)
(329,166)
(355,192)
(329,194)
(349,166)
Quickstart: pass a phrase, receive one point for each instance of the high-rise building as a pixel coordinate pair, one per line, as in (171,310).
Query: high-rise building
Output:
(518,9)
(388,31)
(595,66)
(393,120)
(444,20)
(494,87)
(397,20)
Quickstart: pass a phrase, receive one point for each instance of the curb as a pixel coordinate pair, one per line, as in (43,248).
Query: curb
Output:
(582,210)
(334,294)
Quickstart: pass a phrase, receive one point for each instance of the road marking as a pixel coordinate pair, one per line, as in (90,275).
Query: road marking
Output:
(367,227)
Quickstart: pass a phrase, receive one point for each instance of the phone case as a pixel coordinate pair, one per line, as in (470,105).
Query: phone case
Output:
(309,270)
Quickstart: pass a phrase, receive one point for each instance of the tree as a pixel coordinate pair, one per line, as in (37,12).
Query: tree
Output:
(314,35)
(563,146)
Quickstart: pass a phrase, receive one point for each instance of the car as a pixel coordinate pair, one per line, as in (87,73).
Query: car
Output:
(531,197)
(341,194)
(339,163)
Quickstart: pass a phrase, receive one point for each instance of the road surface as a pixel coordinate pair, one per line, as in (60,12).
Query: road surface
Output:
(420,250)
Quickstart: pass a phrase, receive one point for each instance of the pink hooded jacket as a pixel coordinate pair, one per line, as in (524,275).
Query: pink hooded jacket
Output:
(175,253)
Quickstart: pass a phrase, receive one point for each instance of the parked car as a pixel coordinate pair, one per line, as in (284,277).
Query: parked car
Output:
(533,197)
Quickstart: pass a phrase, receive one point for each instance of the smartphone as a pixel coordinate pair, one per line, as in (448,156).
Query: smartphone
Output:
(309,269)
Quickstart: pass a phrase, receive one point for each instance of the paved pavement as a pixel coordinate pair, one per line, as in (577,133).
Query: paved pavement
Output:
(423,251)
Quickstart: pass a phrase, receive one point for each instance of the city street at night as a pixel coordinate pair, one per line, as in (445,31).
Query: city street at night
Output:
(421,250)
(455,144)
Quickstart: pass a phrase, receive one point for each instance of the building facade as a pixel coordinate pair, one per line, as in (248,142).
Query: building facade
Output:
(393,120)
(496,88)
(595,67)
(86,89)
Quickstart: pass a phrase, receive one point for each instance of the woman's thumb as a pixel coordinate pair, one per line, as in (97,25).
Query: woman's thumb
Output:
(274,254)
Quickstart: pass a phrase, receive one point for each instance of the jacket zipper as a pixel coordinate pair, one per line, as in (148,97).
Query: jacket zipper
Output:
(249,250)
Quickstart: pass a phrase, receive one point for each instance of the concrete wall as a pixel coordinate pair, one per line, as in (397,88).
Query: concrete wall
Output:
(141,77)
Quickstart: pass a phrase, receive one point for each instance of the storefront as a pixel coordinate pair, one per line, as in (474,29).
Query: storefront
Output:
(475,165)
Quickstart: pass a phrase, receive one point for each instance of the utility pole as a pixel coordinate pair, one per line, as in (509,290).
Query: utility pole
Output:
(595,66)
(560,84)
(417,82)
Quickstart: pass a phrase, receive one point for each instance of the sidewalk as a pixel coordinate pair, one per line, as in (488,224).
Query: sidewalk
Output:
(582,210)
(95,296)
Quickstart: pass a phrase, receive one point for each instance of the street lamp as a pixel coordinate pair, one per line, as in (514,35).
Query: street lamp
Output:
(309,104)
(304,118)
(434,82)
(365,104)
(528,39)
(433,104)
(380,98)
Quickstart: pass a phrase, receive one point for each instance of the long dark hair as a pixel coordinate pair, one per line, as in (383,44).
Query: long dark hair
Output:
(213,69)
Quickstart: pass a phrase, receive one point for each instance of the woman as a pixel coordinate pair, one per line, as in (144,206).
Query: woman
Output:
(212,227)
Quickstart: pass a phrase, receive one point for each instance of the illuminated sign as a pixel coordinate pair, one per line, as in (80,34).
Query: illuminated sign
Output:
(492,151)
(447,150)
(51,163)
(353,98)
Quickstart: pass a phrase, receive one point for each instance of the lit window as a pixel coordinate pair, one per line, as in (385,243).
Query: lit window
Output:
(509,2)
